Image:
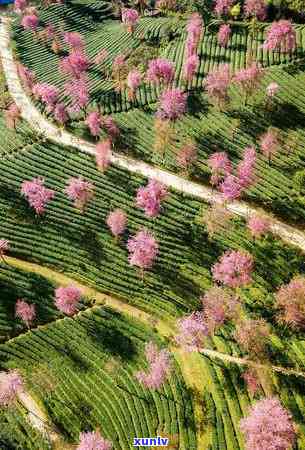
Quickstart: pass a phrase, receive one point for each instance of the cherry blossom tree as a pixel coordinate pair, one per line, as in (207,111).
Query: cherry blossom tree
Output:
(272,89)
(190,67)
(67,299)
(252,335)
(4,247)
(75,64)
(111,128)
(134,80)
(11,384)
(47,93)
(160,365)
(217,83)
(130,18)
(281,37)
(160,71)
(186,157)
(268,425)
(255,8)
(219,305)
(60,113)
(220,166)
(231,188)
(217,219)
(25,312)
(37,194)
(222,7)
(249,79)
(27,77)
(20,5)
(251,379)
(172,104)
(143,249)
(78,91)
(269,143)
(30,22)
(258,225)
(103,154)
(93,440)
(224,35)
(117,221)
(80,192)
(234,269)
(194,31)
(150,197)
(245,168)
(12,114)
(290,301)
(93,121)
(192,331)
(74,40)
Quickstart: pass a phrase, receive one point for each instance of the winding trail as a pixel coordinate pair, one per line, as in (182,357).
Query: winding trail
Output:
(191,365)
(31,114)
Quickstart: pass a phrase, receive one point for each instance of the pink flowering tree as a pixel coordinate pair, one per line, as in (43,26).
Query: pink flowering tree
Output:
(20,5)
(130,18)
(186,157)
(27,77)
(93,440)
(134,80)
(25,312)
(11,384)
(258,225)
(4,247)
(222,7)
(217,83)
(219,305)
(251,379)
(74,40)
(93,122)
(160,365)
(270,144)
(220,166)
(160,71)
(12,115)
(75,64)
(60,114)
(37,194)
(234,269)
(150,197)
(224,35)
(190,67)
(117,221)
(103,154)
(143,249)
(173,104)
(67,299)
(249,79)
(47,93)
(30,22)
(78,91)
(80,192)
(194,30)
(246,168)
(230,188)
(272,89)
(217,219)
(192,331)
(255,8)
(281,37)
(252,335)
(108,124)
(290,301)
(268,425)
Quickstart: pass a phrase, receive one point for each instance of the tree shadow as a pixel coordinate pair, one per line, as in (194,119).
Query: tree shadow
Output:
(197,105)
(19,208)
(287,116)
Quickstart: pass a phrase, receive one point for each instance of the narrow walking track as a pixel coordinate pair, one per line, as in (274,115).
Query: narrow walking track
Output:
(30,113)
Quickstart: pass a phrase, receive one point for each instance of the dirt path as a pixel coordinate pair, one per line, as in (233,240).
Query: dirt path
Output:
(31,114)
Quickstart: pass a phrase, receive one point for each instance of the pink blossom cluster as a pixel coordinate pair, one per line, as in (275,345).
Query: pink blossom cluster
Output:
(30,22)
(37,194)
(256,8)
(220,166)
(172,104)
(234,269)
(218,306)
(186,156)
(231,188)
(26,76)
(252,335)
(93,440)
(192,330)
(224,35)
(20,5)
(12,114)
(75,64)
(78,91)
(150,197)
(67,299)
(111,128)
(217,83)
(4,247)
(245,168)
(258,225)
(222,7)
(272,89)
(194,32)
(290,300)
(251,380)
(117,221)
(93,121)
(47,93)
(80,192)
(25,312)
(74,40)
(130,17)
(249,79)
(159,367)
(269,143)
(160,70)
(281,37)
(190,67)
(60,113)
(268,426)
(103,154)
(143,249)
(11,384)
(134,80)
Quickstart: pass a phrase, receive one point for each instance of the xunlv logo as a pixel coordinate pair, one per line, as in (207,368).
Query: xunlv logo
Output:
(150,442)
